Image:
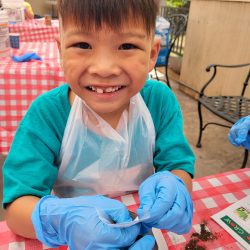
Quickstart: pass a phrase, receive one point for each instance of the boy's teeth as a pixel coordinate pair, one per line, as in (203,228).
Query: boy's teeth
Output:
(99,91)
(107,90)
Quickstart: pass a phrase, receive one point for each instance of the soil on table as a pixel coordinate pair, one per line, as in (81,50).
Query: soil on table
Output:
(197,239)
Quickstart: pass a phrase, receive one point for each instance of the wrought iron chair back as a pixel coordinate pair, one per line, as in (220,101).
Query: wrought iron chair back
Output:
(178,23)
(230,108)
(177,28)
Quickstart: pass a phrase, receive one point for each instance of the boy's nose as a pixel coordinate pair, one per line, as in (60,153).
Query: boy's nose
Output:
(104,66)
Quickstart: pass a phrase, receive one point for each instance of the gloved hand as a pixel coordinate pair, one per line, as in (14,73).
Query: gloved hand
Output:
(75,222)
(145,243)
(239,134)
(165,197)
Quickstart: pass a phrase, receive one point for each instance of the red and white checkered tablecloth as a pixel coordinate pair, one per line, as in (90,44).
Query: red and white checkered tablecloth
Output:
(210,195)
(35,30)
(21,83)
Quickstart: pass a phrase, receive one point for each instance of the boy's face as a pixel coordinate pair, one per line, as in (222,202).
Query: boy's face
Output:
(106,68)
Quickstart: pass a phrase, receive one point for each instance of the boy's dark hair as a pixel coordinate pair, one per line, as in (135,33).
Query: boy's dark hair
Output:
(114,13)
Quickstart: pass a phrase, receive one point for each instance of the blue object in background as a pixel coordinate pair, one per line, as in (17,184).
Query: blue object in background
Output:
(14,41)
(162,32)
(161,59)
(26,57)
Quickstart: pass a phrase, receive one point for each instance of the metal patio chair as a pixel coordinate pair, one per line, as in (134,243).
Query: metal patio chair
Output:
(230,108)
(177,28)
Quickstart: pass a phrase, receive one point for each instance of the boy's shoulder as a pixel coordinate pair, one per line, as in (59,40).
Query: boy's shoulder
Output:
(155,87)
(53,101)
(156,90)
(54,95)
(55,92)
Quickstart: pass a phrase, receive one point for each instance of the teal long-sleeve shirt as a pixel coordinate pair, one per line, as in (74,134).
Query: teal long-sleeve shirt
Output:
(30,168)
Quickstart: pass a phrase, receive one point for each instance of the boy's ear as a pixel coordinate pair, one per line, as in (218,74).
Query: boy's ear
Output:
(58,42)
(154,53)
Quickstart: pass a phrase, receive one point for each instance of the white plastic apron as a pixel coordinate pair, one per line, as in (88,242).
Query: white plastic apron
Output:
(97,159)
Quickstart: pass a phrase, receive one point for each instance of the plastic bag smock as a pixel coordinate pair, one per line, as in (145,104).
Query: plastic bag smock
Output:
(97,159)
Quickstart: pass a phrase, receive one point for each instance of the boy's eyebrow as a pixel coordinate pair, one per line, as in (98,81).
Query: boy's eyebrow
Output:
(133,34)
(123,34)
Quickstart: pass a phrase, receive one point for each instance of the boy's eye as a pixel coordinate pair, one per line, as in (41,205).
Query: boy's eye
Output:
(127,46)
(82,45)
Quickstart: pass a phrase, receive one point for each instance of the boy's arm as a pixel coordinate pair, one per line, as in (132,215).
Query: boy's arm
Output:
(186,178)
(63,221)
(18,216)
(164,195)
(172,151)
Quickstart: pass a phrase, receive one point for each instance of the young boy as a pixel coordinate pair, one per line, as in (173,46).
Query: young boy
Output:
(104,133)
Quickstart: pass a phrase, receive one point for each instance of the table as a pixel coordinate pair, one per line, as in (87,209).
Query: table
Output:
(210,195)
(35,30)
(21,83)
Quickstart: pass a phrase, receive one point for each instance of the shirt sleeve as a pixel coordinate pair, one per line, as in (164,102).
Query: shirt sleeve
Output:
(172,150)
(30,168)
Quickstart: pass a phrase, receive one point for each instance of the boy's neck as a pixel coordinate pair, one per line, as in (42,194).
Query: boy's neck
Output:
(112,119)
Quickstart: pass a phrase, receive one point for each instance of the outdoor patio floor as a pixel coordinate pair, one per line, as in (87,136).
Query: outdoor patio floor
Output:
(217,155)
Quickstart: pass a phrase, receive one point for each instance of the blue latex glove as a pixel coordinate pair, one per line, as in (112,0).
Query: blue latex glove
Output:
(75,222)
(26,57)
(145,243)
(165,197)
(239,134)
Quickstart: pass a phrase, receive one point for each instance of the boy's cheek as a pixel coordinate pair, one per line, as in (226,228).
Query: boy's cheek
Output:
(61,64)
(66,62)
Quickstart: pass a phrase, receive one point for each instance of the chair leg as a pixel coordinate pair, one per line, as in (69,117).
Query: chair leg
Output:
(198,145)
(166,74)
(157,78)
(167,80)
(244,163)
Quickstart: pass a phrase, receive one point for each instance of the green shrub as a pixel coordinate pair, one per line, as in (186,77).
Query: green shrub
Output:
(176,3)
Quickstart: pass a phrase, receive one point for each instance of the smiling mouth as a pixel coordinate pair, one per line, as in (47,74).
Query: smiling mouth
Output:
(101,90)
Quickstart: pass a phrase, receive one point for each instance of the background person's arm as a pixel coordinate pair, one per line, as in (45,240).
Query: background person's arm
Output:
(239,134)
(18,216)
(28,11)
(28,15)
